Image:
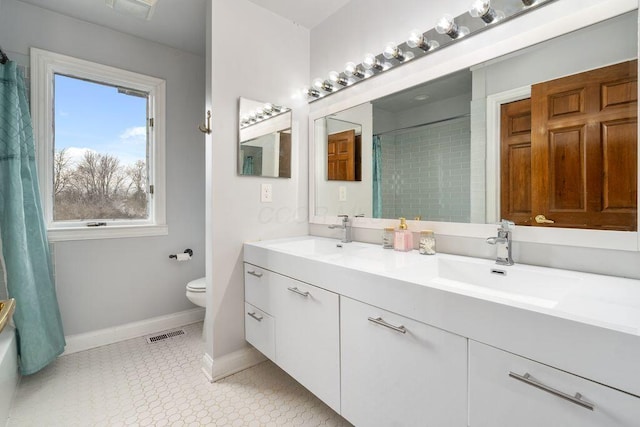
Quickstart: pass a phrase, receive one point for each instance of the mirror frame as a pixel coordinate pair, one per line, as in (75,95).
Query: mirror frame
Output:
(546,23)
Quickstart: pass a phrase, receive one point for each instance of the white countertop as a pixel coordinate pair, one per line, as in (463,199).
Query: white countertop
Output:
(583,323)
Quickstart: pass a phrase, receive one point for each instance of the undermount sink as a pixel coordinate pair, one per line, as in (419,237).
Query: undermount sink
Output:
(318,247)
(517,283)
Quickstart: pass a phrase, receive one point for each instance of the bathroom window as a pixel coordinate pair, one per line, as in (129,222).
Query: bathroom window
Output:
(100,137)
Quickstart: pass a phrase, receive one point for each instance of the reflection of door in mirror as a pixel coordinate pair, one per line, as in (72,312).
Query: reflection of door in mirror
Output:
(343,156)
(578,167)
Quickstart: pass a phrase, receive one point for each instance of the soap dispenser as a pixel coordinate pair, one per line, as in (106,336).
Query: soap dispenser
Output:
(403,239)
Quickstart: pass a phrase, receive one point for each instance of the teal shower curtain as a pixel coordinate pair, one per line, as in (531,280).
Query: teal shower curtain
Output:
(247,166)
(23,234)
(377,177)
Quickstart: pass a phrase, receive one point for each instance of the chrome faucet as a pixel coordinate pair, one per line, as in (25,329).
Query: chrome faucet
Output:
(503,242)
(346,228)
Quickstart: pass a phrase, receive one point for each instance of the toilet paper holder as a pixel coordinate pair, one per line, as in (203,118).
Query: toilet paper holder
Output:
(186,251)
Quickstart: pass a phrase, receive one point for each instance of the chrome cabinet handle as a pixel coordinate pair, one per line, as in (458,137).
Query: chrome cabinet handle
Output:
(299,292)
(381,322)
(253,273)
(577,399)
(253,314)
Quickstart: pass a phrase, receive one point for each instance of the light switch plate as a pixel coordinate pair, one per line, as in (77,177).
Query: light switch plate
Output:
(342,193)
(266,193)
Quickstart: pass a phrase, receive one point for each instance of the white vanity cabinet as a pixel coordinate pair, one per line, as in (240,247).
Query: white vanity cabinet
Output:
(297,326)
(396,371)
(508,390)
(308,336)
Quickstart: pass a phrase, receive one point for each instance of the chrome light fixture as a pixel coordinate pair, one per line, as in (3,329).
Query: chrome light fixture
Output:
(448,30)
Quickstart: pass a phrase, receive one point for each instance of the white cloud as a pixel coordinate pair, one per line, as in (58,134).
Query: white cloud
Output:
(76,154)
(135,135)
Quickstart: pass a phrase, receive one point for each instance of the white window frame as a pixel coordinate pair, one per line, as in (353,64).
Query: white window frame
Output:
(44,65)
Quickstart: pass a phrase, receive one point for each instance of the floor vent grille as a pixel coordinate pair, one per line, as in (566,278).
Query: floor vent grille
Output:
(165,335)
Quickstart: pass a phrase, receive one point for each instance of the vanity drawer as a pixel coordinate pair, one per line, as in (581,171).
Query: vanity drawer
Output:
(259,330)
(256,287)
(508,390)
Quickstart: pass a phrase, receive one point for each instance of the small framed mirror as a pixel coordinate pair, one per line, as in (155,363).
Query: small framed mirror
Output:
(264,147)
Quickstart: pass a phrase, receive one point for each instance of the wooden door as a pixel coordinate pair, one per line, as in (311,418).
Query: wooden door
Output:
(284,164)
(341,154)
(584,149)
(515,164)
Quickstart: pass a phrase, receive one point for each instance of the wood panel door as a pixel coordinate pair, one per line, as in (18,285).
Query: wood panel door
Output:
(584,149)
(284,165)
(515,165)
(341,155)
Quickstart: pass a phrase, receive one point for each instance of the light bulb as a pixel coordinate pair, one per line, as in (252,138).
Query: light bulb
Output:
(335,77)
(352,70)
(267,108)
(446,25)
(418,40)
(392,51)
(310,92)
(318,83)
(370,61)
(482,9)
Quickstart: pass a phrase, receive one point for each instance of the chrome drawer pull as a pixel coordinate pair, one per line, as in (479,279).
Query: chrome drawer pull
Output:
(299,292)
(253,273)
(381,322)
(258,318)
(577,399)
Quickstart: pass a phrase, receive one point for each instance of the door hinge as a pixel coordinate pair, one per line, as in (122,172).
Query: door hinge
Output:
(151,189)
(151,122)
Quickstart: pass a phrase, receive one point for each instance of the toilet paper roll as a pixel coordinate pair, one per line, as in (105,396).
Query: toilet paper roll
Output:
(183,257)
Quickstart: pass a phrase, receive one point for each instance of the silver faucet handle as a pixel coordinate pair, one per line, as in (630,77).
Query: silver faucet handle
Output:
(345,218)
(506,225)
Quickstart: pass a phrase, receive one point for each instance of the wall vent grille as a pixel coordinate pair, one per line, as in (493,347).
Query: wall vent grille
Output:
(165,335)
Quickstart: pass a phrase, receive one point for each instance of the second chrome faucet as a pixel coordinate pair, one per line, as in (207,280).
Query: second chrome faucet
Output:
(346,228)
(503,243)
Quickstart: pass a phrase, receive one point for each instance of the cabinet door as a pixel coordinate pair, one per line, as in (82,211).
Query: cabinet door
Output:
(257,291)
(508,390)
(307,336)
(399,372)
(259,329)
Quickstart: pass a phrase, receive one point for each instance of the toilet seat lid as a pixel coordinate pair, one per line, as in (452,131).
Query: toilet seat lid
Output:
(197,285)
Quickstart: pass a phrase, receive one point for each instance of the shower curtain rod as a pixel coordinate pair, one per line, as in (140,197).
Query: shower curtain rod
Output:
(423,124)
(3,56)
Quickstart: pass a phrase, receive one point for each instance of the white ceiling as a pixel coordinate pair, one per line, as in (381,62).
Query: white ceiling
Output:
(181,23)
(307,13)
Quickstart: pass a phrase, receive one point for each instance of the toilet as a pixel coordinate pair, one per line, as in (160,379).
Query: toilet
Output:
(196,292)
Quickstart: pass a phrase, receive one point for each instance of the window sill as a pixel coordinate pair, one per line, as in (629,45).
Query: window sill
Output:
(108,232)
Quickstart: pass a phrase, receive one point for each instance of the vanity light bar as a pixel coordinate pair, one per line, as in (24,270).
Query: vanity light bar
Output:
(261,114)
(482,14)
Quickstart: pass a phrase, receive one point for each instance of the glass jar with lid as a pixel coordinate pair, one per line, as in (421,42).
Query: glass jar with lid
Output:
(427,243)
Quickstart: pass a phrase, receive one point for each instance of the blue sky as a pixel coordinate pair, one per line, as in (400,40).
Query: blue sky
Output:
(96,117)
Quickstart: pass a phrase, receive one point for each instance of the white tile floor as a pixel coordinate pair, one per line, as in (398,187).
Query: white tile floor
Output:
(160,384)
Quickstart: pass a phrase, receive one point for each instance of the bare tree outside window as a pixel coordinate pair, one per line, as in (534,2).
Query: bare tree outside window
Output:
(98,187)
(101,139)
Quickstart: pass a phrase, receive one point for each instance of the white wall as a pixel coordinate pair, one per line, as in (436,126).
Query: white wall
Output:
(364,26)
(258,55)
(104,283)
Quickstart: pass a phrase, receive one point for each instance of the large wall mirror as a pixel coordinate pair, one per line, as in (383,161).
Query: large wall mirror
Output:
(459,148)
(264,147)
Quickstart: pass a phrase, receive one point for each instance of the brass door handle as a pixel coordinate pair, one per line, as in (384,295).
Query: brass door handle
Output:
(541,219)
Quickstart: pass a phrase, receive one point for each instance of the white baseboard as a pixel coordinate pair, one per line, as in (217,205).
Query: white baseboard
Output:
(88,340)
(231,363)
